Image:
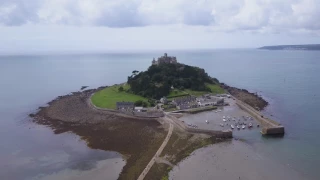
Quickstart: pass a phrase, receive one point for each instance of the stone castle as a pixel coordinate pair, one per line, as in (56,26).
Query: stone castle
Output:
(165,59)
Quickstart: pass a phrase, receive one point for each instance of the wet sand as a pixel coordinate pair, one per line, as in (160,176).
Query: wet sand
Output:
(231,160)
(104,169)
(137,140)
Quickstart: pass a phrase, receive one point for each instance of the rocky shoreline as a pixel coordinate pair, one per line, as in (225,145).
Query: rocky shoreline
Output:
(136,140)
(252,99)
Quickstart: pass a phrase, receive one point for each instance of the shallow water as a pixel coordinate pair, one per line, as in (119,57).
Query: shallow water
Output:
(231,160)
(287,79)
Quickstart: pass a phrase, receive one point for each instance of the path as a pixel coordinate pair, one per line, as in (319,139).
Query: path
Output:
(150,164)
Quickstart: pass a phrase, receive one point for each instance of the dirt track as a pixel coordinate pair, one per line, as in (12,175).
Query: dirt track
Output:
(152,161)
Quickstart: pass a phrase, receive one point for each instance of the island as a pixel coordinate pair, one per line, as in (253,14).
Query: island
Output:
(141,118)
(310,47)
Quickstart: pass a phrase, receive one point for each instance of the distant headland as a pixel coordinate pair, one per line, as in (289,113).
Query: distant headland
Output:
(308,47)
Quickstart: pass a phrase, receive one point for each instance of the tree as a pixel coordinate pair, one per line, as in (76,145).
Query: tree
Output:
(144,104)
(138,103)
(157,80)
(120,89)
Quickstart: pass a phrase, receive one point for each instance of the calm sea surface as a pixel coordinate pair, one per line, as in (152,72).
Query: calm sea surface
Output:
(289,80)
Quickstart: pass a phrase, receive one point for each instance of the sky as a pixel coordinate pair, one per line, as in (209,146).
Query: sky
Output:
(28,26)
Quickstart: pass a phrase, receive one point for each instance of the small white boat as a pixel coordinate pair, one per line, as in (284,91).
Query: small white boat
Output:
(216,111)
(238,127)
(221,124)
(250,125)
(224,120)
(207,121)
(243,126)
(223,117)
(232,127)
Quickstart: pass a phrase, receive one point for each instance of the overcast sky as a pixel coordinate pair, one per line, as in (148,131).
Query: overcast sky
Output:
(120,25)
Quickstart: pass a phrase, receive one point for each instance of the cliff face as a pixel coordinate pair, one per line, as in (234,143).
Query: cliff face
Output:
(251,99)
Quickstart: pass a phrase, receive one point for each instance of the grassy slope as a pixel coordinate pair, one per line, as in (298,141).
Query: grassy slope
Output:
(176,92)
(108,97)
(215,89)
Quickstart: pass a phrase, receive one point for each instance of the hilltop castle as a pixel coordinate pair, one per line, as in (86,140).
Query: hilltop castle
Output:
(165,60)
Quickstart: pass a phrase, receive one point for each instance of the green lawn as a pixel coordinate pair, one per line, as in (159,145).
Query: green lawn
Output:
(196,93)
(176,93)
(215,89)
(108,97)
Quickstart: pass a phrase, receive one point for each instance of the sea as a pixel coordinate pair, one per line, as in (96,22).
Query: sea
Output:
(288,80)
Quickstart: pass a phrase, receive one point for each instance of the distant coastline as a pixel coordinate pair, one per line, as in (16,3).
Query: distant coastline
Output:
(303,47)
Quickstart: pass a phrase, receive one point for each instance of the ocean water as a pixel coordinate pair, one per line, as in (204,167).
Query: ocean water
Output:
(287,79)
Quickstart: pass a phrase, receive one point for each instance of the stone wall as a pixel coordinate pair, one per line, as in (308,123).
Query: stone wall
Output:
(220,134)
(270,127)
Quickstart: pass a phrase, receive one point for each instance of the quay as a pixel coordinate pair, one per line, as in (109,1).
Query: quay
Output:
(269,126)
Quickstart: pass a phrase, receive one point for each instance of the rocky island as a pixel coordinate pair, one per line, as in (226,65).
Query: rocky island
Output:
(141,118)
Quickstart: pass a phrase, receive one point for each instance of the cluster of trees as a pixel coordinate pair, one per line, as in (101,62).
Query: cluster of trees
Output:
(157,81)
(141,103)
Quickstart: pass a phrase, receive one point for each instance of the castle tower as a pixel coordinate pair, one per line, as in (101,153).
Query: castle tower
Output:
(154,62)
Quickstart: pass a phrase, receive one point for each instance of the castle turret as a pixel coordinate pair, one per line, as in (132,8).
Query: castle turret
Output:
(165,59)
(154,62)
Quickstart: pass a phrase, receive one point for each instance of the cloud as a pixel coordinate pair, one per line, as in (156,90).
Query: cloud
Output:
(18,12)
(263,16)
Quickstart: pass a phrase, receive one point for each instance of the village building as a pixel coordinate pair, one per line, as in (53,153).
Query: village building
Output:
(140,109)
(165,59)
(164,100)
(127,106)
(210,101)
(186,102)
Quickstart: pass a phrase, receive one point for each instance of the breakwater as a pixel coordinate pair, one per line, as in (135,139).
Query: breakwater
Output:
(269,126)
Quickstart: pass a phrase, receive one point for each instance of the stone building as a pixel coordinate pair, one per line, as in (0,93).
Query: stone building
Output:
(212,101)
(165,59)
(127,106)
(185,102)
(164,100)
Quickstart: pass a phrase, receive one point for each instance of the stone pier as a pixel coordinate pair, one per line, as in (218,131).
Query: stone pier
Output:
(269,126)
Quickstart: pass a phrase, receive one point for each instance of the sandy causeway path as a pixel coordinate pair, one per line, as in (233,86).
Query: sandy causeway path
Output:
(150,164)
